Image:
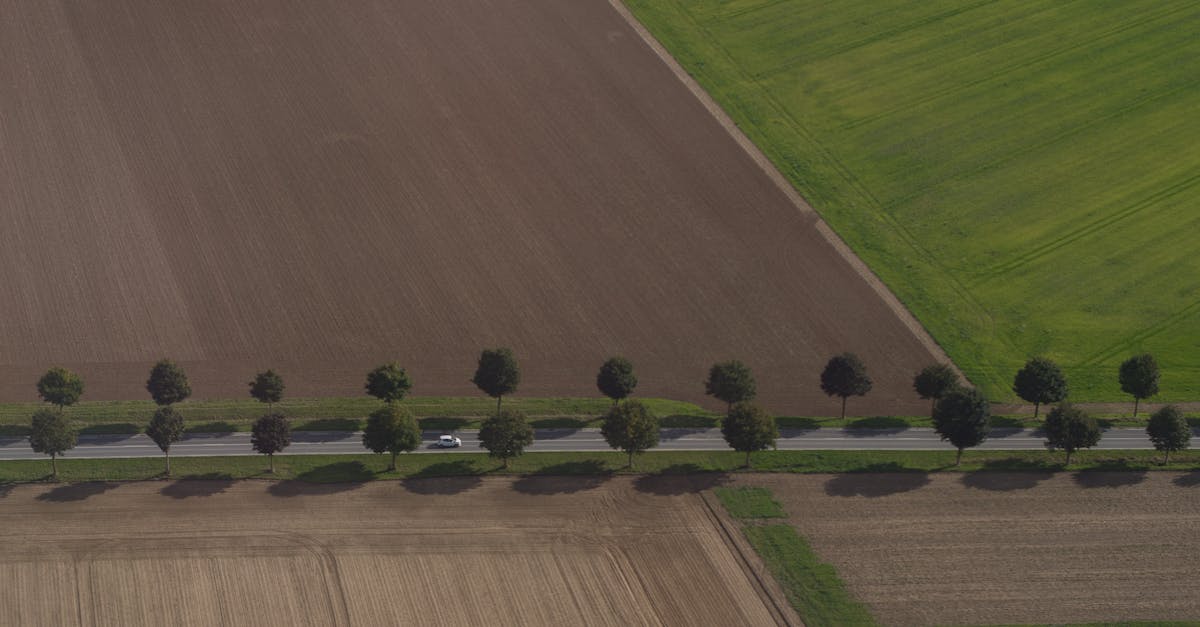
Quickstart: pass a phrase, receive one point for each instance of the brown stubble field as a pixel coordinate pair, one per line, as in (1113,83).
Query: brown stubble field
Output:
(460,551)
(320,186)
(1005,548)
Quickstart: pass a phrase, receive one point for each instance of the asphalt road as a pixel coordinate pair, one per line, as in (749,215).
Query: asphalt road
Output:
(335,442)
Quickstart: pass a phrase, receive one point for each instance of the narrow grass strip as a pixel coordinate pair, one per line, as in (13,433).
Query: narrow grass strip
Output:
(750,503)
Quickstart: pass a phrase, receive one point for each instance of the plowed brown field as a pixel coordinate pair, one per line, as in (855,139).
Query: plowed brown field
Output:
(428,552)
(1006,548)
(319,186)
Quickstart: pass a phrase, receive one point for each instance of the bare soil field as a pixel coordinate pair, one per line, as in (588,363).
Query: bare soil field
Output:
(469,551)
(1005,548)
(318,187)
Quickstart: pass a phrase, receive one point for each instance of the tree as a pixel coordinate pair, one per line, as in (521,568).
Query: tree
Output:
(630,428)
(267,387)
(1069,429)
(60,386)
(168,383)
(497,374)
(934,382)
(845,376)
(1169,431)
(731,382)
(1040,381)
(505,435)
(1139,378)
(165,428)
(748,428)
(391,429)
(616,379)
(271,434)
(963,418)
(52,434)
(388,383)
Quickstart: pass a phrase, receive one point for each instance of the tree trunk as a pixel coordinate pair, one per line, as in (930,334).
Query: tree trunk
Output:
(933,408)
(54,465)
(747,459)
(958,459)
(1036,406)
(498,399)
(844,407)
(167,453)
(1135,404)
(1166,456)
(393,466)
(506,463)
(1068,457)
(271,463)
(630,460)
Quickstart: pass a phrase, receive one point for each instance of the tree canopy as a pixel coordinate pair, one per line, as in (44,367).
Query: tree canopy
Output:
(168,383)
(1139,378)
(505,435)
(963,418)
(748,428)
(1069,429)
(616,379)
(935,381)
(388,383)
(51,434)
(1169,431)
(630,427)
(271,434)
(165,428)
(1040,381)
(391,429)
(730,382)
(267,387)
(845,376)
(497,374)
(60,386)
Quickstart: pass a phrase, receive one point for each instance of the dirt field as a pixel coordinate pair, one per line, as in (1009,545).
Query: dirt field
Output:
(451,551)
(318,187)
(1004,548)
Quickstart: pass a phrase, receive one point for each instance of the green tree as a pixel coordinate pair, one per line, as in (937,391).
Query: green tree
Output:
(1040,381)
(505,435)
(748,428)
(391,429)
(498,374)
(845,376)
(165,428)
(934,382)
(270,435)
(1069,428)
(267,387)
(60,386)
(631,428)
(168,383)
(1169,431)
(616,379)
(1139,378)
(388,383)
(963,418)
(731,382)
(52,434)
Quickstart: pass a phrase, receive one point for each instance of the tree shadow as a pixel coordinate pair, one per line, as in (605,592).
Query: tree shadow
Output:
(565,478)
(322,436)
(675,433)
(330,424)
(77,491)
(559,423)
(556,433)
(877,480)
(680,479)
(798,423)
(1005,476)
(685,421)
(1111,474)
(1189,480)
(5,488)
(206,484)
(875,426)
(217,426)
(14,431)
(111,428)
(108,438)
(442,423)
(443,478)
(1006,422)
(327,479)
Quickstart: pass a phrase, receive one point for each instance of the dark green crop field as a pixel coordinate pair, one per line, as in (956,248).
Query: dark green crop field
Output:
(1025,175)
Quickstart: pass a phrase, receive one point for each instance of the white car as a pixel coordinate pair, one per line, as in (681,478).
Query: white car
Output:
(449,441)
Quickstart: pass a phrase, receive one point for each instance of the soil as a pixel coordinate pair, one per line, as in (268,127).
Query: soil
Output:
(530,551)
(320,187)
(1005,548)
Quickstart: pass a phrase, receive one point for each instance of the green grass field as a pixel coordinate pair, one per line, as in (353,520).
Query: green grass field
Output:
(1024,175)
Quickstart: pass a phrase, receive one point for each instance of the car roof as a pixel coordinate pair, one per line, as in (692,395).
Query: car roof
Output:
(447,437)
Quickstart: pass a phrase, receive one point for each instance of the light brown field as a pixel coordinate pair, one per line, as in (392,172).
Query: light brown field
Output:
(450,552)
(320,186)
(1000,548)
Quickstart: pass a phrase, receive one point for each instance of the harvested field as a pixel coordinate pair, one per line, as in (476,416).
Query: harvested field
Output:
(463,551)
(1005,548)
(321,186)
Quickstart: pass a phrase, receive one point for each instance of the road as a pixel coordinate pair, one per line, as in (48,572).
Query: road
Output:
(344,442)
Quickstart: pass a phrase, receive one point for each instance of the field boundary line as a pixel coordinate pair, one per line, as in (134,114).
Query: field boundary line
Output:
(839,245)
(767,587)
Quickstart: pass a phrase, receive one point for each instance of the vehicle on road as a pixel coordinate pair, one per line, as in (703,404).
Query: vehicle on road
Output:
(449,441)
